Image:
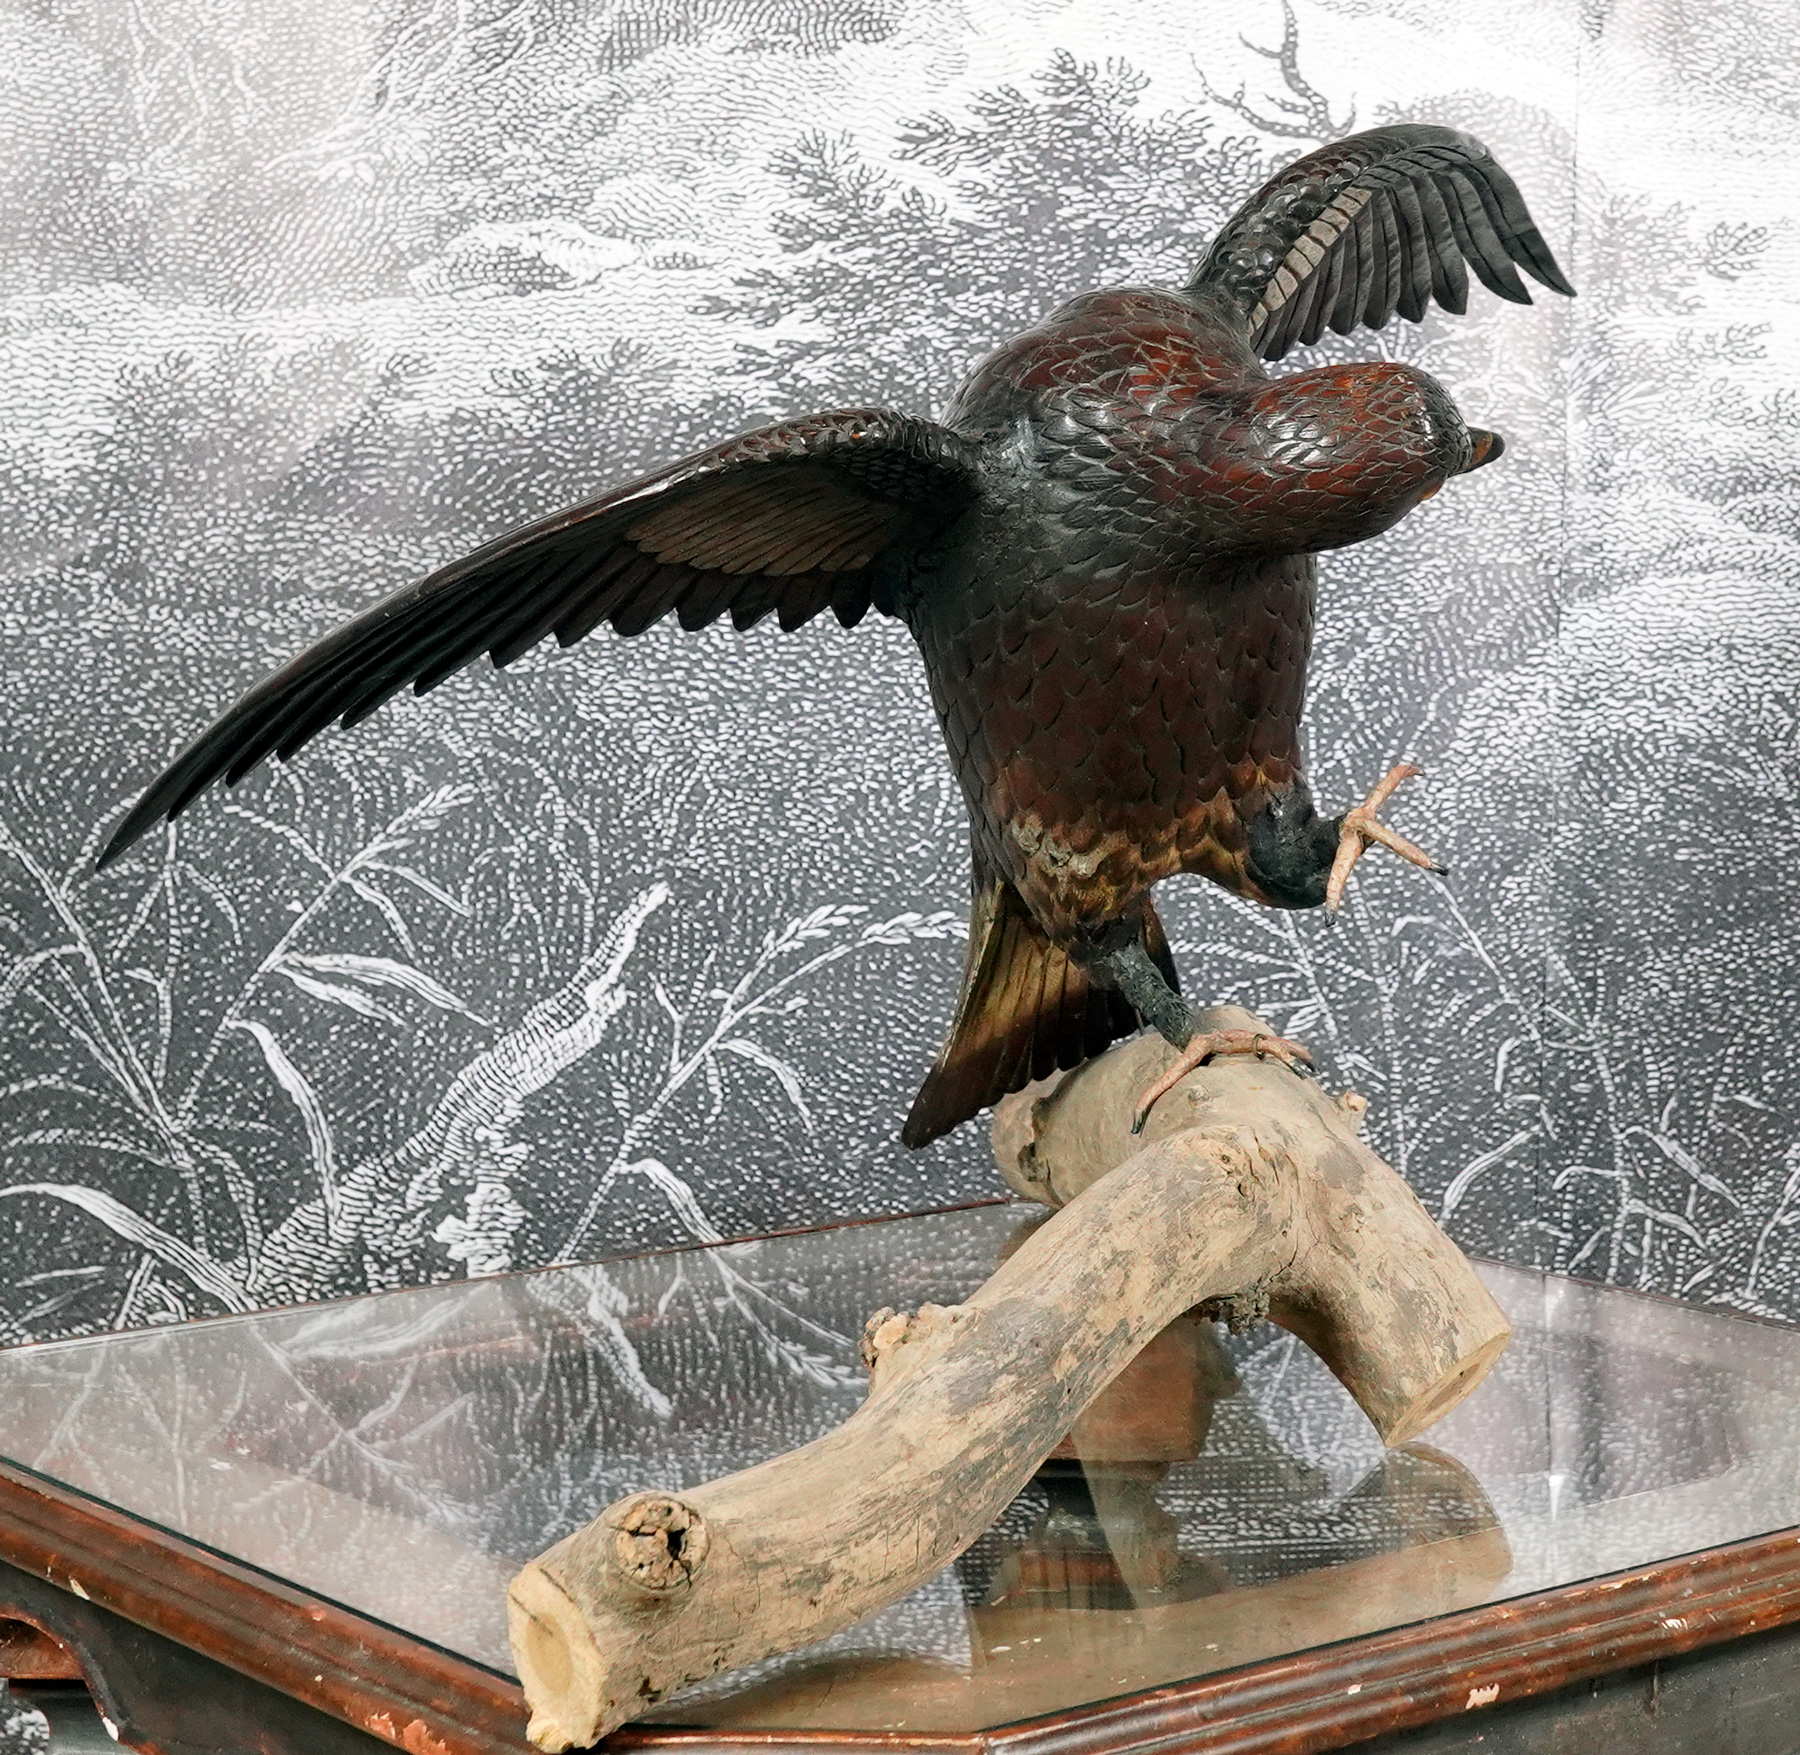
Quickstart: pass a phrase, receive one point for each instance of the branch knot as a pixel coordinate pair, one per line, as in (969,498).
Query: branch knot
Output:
(658,1543)
(888,1331)
(1238,1310)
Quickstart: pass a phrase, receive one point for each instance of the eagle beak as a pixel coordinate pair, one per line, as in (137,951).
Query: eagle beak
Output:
(1485,447)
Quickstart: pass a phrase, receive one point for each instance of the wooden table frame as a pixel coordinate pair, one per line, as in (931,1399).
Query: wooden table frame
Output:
(427,1701)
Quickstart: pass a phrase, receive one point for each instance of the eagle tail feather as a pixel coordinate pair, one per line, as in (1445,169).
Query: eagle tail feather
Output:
(1027,1009)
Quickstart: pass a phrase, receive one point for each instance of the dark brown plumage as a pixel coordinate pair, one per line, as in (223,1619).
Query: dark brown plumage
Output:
(1104,553)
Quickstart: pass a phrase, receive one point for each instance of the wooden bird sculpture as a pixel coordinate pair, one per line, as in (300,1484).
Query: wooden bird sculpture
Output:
(1105,554)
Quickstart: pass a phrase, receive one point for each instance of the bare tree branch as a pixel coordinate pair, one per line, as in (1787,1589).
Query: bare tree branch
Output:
(1306,111)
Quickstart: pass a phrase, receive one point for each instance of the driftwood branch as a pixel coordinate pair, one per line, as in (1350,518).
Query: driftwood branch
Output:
(1028,1661)
(1250,1188)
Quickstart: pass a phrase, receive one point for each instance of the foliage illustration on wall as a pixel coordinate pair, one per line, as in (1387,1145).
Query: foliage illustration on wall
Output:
(651,941)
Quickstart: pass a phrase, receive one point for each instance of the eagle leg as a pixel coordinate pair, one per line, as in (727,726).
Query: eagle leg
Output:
(1202,1045)
(1128,967)
(1362,828)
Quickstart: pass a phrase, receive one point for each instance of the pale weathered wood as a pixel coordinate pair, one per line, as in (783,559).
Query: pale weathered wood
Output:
(1024,1661)
(1374,1287)
(1249,1185)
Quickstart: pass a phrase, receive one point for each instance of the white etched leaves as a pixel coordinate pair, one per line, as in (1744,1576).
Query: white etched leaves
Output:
(345,979)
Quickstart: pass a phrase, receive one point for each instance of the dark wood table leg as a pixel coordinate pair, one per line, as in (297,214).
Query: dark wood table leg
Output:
(157,1696)
(29,1654)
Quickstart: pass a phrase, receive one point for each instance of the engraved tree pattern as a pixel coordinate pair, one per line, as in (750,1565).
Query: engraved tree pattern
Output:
(651,942)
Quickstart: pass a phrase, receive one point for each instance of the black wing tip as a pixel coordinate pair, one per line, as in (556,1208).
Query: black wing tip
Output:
(170,796)
(1547,273)
(1542,267)
(139,821)
(193,773)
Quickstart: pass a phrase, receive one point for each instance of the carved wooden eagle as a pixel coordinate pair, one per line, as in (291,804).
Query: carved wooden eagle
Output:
(1105,554)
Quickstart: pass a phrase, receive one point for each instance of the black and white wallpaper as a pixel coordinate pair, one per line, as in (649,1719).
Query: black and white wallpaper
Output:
(652,940)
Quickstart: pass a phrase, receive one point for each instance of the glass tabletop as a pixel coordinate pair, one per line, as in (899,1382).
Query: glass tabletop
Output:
(1226,1502)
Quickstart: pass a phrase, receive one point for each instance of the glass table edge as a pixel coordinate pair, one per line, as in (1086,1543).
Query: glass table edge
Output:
(159,1537)
(485,1680)
(114,1560)
(1313,1673)
(690,1246)
(858,1221)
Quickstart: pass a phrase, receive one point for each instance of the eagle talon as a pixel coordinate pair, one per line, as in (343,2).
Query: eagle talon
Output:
(1362,828)
(1203,1045)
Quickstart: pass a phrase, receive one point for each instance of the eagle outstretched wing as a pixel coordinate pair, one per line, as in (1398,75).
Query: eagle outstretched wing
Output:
(1384,221)
(786,521)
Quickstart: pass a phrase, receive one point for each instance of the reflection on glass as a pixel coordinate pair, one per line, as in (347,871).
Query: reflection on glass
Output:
(1224,1502)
